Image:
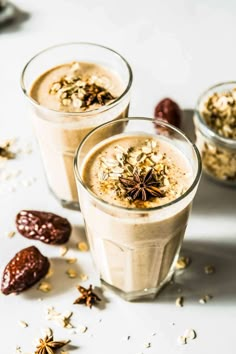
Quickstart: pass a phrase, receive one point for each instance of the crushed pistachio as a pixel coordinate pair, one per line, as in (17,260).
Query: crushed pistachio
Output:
(81,93)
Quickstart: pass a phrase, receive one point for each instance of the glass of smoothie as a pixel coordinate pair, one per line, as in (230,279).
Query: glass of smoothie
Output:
(73,88)
(136,189)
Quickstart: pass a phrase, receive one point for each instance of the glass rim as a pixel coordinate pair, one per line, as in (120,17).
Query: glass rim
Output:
(85,113)
(140,210)
(207,130)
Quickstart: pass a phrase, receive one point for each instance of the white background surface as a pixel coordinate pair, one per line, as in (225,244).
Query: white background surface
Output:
(176,49)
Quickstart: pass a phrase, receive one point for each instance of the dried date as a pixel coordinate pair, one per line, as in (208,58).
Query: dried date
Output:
(24,270)
(43,226)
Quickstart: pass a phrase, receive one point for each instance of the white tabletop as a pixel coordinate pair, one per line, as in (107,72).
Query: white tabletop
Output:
(176,49)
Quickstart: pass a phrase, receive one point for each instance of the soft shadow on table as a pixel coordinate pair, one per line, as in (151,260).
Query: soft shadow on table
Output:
(78,235)
(11,18)
(59,280)
(194,283)
(187,123)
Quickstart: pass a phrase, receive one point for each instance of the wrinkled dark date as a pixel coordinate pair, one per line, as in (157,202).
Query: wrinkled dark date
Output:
(46,227)
(24,270)
(168,111)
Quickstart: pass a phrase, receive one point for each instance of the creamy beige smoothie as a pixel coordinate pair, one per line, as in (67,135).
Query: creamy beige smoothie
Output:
(78,97)
(134,241)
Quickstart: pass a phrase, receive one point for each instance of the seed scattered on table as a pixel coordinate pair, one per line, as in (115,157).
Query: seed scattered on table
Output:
(72,273)
(45,287)
(82,246)
(63,250)
(209,269)
(179,302)
(23,324)
(183,262)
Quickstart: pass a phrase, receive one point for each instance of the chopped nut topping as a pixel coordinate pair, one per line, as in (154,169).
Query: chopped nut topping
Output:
(80,92)
(138,174)
(209,269)
(219,113)
(49,273)
(183,262)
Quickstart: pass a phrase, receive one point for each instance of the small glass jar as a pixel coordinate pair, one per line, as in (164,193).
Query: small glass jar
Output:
(218,152)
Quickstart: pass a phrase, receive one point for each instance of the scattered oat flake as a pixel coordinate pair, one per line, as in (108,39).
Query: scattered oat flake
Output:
(190,334)
(203,300)
(182,340)
(45,287)
(11,234)
(23,324)
(148,345)
(82,329)
(71,260)
(49,273)
(63,250)
(183,262)
(209,269)
(72,273)
(62,319)
(83,246)
(83,277)
(179,302)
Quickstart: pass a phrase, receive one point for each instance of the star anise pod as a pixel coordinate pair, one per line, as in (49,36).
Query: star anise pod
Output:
(142,187)
(88,297)
(49,346)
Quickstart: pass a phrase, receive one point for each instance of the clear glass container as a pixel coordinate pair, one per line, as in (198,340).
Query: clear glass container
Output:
(135,250)
(59,133)
(217,152)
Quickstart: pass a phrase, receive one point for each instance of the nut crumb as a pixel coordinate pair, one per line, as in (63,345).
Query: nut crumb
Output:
(203,300)
(209,269)
(82,246)
(71,260)
(179,302)
(63,250)
(45,287)
(72,273)
(11,234)
(23,324)
(83,277)
(183,262)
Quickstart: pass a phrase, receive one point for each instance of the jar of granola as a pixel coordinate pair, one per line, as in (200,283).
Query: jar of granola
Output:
(215,127)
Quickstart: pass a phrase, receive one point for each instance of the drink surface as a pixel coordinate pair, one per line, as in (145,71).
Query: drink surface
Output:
(109,171)
(77,87)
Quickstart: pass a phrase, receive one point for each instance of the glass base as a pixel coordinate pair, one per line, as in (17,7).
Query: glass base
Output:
(145,294)
(69,204)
